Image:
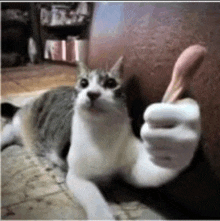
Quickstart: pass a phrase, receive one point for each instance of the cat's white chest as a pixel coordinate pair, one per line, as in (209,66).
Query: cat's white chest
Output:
(100,150)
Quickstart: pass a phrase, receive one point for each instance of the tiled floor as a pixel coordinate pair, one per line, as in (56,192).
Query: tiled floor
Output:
(31,188)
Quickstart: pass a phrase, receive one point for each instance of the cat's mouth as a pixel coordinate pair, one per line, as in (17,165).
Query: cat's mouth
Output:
(96,110)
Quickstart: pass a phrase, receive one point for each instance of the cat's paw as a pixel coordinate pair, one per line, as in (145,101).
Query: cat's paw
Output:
(172,132)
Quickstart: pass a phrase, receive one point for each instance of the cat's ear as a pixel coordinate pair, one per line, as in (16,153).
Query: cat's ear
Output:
(82,68)
(117,69)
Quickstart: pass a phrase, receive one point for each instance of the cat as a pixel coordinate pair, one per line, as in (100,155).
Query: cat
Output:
(86,130)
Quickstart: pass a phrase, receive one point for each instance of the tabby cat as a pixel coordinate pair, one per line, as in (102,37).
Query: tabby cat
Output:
(86,130)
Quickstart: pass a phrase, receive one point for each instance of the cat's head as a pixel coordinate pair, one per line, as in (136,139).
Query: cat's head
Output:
(100,92)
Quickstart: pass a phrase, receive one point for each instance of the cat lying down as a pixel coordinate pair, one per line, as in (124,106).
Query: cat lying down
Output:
(86,130)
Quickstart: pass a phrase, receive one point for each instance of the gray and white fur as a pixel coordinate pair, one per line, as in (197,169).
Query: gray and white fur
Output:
(86,130)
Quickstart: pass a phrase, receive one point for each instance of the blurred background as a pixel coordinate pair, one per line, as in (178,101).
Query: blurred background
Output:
(42,41)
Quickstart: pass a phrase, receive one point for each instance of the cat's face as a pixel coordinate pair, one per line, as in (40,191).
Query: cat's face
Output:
(100,93)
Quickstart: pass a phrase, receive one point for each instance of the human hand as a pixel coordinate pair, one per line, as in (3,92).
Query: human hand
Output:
(171,132)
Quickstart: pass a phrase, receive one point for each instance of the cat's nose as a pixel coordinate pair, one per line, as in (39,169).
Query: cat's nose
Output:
(93,95)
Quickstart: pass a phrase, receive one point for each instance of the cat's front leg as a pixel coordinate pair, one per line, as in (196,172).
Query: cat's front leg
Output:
(89,197)
(170,135)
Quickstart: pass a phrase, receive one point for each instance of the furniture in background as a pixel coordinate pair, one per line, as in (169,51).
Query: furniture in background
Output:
(64,29)
(38,31)
(15,32)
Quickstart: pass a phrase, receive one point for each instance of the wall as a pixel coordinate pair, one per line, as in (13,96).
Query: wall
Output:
(151,36)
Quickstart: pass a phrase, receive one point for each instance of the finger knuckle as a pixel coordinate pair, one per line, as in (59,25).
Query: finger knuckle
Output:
(151,110)
(147,132)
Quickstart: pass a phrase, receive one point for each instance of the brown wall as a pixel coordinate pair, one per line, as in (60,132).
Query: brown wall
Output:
(151,36)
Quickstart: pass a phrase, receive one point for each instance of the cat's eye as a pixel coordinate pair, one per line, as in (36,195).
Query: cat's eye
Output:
(84,83)
(111,83)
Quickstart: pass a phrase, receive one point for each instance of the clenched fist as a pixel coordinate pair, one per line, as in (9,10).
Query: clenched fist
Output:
(171,132)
